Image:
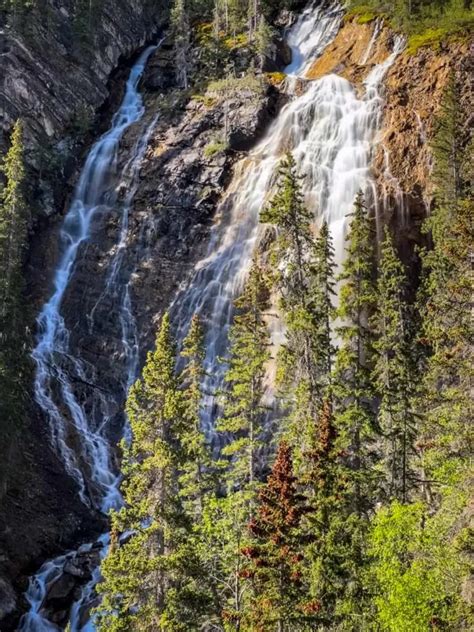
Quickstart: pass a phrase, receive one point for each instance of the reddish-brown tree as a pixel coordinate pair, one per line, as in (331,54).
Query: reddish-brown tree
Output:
(275,556)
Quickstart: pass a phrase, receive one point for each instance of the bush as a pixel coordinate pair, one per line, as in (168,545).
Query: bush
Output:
(232,85)
(214,148)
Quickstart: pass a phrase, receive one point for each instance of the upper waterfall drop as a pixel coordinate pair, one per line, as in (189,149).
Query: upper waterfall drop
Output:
(55,362)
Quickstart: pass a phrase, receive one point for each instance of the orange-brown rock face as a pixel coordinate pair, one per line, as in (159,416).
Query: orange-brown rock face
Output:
(414,89)
(354,51)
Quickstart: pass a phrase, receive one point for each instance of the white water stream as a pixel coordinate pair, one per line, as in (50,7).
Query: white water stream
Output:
(331,132)
(85,449)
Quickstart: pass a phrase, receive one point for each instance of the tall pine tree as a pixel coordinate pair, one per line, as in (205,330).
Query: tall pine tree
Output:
(395,374)
(14,366)
(355,419)
(135,579)
(244,410)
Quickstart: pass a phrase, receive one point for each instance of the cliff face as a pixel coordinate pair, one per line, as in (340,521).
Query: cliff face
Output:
(412,93)
(56,63)
(56,78)
(55,74)
(187,164)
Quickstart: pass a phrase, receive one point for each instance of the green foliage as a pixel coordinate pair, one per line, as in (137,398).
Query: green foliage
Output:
(244,411)
(445,299)
(354,387)
(233,85)
(416,570)
(215,148)
(134,583)
(425,23)
(395,376)
(14,367)
(305,280)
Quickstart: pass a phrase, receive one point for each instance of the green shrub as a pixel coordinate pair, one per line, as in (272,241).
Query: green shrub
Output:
(214,148)
(232,85)
(425,24)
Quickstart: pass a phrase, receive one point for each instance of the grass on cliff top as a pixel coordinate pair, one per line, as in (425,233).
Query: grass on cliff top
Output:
(234,85)
(426,25)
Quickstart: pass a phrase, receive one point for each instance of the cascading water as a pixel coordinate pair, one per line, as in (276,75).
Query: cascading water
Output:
(56,364)
(331,132)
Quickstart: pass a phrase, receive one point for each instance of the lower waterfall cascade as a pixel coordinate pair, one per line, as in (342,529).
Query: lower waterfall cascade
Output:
(331,130)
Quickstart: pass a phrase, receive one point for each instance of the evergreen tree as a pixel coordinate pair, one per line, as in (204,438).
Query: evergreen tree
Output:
(244,410)
(446,299)
(14,368)
(322,293)
(181,33)
(354,409)
(135,580)
(289,214)
(275,552)
(306,284)
(197,465)
(325,540)
(354,386)
(13,227)
(190,601)
(394,374)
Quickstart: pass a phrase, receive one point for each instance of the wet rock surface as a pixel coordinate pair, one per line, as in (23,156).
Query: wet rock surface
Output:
(184,172)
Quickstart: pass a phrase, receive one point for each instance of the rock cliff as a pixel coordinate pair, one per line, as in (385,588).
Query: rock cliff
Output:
(58,79)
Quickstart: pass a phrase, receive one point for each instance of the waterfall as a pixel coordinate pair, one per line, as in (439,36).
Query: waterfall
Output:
(331,132)
(53,355)
(80,445)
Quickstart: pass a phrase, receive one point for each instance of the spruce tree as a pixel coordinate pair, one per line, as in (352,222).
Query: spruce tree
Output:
(395,374)
(135,579)
(446,298)
(190,601)
(321,297)
(355,419)
(14,366)
(306,285)
(244,411)
(288,212)
(327,543)
(196,470)
(354,388)
(13,227)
